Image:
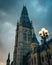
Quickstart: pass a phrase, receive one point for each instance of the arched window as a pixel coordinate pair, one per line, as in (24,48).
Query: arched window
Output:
(25,36)
(34,60)
(42,59)
(49,55)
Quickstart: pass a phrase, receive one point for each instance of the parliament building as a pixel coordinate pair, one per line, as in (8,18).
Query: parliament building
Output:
(27,50)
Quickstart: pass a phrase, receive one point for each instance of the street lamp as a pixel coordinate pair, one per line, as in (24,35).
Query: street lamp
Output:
(43,33)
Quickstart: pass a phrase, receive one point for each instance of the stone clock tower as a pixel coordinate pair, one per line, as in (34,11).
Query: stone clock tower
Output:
(23,39)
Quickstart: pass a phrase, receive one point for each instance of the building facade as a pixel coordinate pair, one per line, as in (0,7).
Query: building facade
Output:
(23,40)
(38,56)
(27,50)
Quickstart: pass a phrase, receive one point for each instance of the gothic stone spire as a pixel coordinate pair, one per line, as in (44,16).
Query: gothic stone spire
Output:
(24,19)
(24,11)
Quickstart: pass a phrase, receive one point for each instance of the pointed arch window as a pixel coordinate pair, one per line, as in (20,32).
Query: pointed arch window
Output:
(25,36)
(49,56)
(34,60)
(42,59)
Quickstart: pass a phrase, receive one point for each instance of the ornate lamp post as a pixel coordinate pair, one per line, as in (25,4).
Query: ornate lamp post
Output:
(44,35)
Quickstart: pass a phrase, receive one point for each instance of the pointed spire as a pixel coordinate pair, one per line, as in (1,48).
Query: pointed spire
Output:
(8,60)
(24,19)
(24,11)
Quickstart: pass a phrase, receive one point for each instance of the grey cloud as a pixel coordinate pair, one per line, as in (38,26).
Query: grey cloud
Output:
(45,2)
(49,15)
(7,35)
(7,4)
(45,17)
(10,12)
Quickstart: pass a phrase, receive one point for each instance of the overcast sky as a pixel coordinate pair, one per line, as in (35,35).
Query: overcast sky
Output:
(40,12)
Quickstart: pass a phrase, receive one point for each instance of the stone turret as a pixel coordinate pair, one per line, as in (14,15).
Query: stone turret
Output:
(8,60)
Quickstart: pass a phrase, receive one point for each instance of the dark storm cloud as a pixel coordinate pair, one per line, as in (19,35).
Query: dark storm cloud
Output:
(49,15)
(40,12)
(48,5)
(45,2)
(44,14)
(45,20)
(7,4)
(9,11)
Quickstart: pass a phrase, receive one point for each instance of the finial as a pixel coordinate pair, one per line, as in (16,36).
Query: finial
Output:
(9,55)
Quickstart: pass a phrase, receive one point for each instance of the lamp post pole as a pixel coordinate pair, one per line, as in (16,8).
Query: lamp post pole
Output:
(44,35)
